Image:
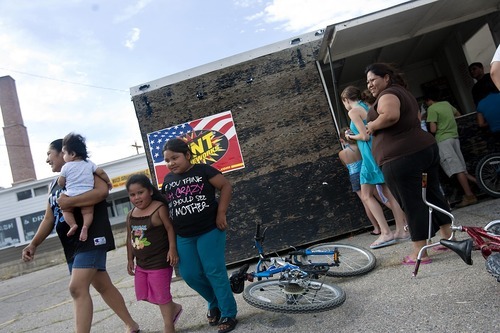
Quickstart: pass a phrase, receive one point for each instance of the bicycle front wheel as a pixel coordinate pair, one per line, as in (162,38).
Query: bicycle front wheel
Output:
(488,174)
(354,260)
(278,296)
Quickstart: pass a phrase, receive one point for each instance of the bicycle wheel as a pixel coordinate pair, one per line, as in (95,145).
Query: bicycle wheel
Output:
(279,296)
(493,265)
(354,260)
(488,174)
(493,227)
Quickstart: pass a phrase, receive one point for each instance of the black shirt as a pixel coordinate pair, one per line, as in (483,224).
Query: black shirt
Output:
(191,200)
(99,233)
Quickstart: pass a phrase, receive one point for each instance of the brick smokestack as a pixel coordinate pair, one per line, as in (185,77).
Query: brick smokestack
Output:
(15,133)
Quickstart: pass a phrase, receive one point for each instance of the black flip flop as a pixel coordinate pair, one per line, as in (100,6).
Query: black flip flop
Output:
(213,316)
(230,324)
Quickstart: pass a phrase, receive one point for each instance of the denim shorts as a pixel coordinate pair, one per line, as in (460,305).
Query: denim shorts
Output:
(355,183)
(95,259)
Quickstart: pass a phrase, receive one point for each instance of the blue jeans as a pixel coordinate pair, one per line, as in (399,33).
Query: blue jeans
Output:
(202,265)
(89,259)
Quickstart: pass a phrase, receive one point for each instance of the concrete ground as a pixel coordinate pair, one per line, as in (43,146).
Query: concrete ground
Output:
(446,296)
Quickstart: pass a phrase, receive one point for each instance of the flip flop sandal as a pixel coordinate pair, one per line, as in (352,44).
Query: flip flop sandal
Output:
(440,248)
(227,324)
(177,316)
(407,261)
(213,316)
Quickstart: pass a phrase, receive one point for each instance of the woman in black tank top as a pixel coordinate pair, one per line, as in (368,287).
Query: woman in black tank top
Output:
(100,238)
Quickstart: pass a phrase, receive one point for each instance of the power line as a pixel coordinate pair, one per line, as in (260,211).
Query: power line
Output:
(63,81)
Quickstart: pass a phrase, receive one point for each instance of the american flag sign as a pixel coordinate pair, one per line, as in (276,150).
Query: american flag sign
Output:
(212,140)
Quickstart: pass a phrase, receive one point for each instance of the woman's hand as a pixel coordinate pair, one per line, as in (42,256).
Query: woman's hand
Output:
(64,202)
(369,128)
(29,253)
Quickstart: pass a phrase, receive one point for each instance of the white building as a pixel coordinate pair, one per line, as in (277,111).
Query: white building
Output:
(23,206)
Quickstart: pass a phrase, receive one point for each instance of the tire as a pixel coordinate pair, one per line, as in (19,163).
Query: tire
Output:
(493,265)
(271,295)
(488,174)
(493,227)
(354,260)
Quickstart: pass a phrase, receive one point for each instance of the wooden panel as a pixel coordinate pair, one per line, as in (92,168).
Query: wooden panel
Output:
(293,180)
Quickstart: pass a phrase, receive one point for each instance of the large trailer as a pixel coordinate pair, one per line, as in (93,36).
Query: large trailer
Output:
(284,103)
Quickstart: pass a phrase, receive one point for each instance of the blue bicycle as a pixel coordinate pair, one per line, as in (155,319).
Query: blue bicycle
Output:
(300,285)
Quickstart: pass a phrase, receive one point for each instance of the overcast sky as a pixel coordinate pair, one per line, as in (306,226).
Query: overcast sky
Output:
(74,61)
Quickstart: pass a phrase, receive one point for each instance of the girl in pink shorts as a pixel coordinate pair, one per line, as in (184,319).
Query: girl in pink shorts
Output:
(151,248)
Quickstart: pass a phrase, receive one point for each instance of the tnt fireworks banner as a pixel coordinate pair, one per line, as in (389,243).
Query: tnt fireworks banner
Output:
(212,141)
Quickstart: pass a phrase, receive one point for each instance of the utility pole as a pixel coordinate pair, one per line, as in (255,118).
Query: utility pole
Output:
(136,146)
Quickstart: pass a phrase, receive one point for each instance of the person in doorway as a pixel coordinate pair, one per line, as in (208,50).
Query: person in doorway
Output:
(151,248)
(483,82)
(200,224)
(441,120)
(404,151)
(86,260)
(370,174)
(77,177)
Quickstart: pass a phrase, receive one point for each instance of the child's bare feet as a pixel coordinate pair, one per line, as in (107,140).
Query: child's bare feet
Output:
(83,234)
(72,230)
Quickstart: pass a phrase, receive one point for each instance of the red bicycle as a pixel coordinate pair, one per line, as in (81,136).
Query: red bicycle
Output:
(485,239)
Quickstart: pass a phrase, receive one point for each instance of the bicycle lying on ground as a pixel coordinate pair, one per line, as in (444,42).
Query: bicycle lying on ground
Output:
(300,285)
(486,240)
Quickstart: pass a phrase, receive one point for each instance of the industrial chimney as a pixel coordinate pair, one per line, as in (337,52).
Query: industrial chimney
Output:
(15,133)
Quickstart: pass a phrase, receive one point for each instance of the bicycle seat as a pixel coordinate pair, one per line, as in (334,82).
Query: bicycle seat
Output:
(462,248)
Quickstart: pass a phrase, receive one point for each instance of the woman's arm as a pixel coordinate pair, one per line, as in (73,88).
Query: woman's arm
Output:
(90,198)
(44,230)
(389,112)
(357,118)
(225,188)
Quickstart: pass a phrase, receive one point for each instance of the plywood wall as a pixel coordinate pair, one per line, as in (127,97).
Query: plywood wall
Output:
(293,181)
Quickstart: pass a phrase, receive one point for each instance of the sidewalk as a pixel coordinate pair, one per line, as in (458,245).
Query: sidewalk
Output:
(446,296)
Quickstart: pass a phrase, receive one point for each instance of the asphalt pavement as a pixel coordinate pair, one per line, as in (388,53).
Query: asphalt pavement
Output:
(446,296)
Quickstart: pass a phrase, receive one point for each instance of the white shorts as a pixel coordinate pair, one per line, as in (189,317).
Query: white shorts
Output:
(450,157)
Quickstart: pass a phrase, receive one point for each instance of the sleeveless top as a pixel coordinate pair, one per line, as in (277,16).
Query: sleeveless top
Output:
(99,233)
(370,172)
(403,138)
(149,243)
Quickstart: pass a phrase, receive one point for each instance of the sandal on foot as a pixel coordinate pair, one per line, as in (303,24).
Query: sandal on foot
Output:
(177,316)
(213,316)
(408,261)
(440,248)
(382,244)
(227,324)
